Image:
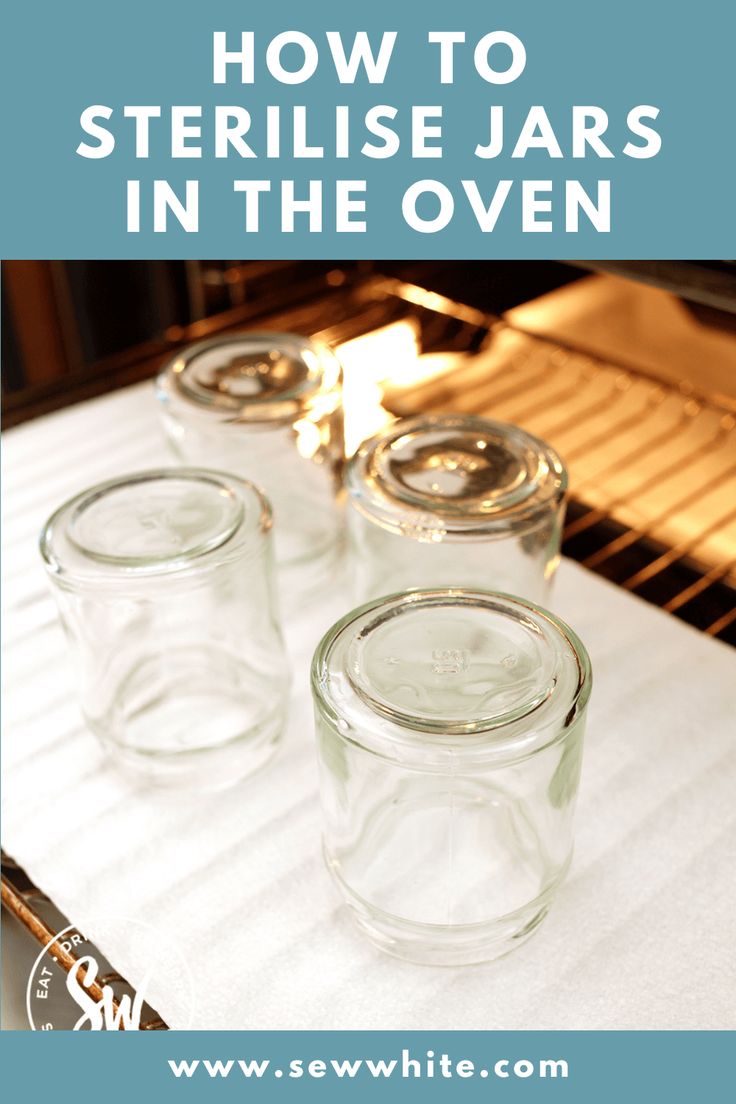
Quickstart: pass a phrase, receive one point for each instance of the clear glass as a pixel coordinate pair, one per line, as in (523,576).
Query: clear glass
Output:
(450,733)
(450,500)
(268,407)
(163,582)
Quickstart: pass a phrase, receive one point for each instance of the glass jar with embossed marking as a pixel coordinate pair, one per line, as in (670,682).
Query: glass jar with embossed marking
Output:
(268,407)
(163,582)
(454,500)
(450,734)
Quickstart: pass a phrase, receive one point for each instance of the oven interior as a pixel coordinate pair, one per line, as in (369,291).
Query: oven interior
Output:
(628,371)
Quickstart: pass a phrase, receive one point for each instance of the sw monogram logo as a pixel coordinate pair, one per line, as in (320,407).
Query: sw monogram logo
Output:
(102,1015)
(84,996)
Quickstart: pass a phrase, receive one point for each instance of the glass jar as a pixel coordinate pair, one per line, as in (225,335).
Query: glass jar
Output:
(452,500)
(450,735)
(268,407)
(163,582)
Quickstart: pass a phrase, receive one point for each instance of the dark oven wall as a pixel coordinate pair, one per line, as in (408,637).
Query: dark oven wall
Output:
(75,328)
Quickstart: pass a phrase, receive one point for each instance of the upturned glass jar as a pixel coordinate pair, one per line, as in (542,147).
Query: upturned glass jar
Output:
(450,735)
(450,500)
(163,582)
(268,407)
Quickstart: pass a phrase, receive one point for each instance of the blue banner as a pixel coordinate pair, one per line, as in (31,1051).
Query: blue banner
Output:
(515,1066)
(517,130)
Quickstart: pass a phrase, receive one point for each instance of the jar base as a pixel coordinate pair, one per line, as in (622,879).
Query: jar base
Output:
(438,945)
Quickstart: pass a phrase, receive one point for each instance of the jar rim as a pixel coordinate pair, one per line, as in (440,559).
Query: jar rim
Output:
(444,476)
(108,531)
(489,718)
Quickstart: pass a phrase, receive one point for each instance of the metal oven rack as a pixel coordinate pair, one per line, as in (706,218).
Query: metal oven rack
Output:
(631,441)
(652,463)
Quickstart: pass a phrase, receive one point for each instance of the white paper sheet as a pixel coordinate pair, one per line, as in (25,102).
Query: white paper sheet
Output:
(642,935)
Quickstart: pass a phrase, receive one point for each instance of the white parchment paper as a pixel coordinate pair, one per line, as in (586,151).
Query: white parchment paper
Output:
(642,935)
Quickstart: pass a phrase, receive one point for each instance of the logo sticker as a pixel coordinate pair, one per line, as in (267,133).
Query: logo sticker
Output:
(73,987)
